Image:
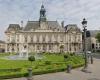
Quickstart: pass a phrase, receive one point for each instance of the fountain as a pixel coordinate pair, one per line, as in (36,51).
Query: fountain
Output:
(38,55)
(23,55)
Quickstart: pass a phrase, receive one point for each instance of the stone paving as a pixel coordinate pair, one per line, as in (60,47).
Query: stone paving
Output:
(76,74)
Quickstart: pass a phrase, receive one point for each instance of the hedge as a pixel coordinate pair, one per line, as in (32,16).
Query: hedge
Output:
(38,72)
(10,70)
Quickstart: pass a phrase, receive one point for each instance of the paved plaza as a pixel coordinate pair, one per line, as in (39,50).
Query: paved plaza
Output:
(76,74)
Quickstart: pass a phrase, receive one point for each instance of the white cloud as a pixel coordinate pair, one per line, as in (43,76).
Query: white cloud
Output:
(72,11)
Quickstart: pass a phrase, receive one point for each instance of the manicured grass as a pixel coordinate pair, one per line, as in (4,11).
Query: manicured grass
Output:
(50,63)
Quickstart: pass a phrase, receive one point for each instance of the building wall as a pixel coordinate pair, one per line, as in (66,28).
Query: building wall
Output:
(44,41)
(95,43)
(2,47)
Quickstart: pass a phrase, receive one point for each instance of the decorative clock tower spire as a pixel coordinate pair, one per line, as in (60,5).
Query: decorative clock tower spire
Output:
(42,14)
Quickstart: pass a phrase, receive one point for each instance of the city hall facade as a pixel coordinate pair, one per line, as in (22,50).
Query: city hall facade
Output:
(43,36)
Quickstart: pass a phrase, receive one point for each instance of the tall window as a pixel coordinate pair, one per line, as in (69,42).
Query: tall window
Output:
(43,39)
(8,47)
(8,38)
(12,39)
(25,38)
(49,38)
(37,38)
(69,38)
(31,39)
(44,47)
(61,38)
(55,37)
(33,46)
(17,38)
(38,47)
(13,49)
(18,47)
(50,47)
(75,48)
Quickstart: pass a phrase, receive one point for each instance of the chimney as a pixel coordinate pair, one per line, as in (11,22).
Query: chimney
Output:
(62,24)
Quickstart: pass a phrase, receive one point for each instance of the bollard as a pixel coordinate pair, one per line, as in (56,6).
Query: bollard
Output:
(68,68)
(30,74)
(91,59)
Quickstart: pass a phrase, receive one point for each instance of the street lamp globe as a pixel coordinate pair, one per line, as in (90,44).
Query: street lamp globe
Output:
(84,23)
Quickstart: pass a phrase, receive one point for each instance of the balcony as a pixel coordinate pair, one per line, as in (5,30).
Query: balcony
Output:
(42,42)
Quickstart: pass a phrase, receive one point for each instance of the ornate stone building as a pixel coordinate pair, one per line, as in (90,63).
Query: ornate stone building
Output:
(43,36)
(2,46)
(92,43)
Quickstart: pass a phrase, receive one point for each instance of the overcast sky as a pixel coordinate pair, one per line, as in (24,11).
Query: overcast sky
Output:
(71,11)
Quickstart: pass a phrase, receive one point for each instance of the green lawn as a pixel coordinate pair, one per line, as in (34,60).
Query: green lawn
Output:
(50,63)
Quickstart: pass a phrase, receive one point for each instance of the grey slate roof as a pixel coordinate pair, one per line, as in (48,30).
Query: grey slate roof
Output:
(35,24)
(2,41)
(53,24)
(14,27)
(31,25)
(69,26)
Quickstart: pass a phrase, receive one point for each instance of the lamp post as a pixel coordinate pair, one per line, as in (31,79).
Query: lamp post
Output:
(84,24)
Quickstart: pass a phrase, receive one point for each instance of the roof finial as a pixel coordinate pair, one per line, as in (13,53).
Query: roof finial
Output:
(21,23)
(62,24)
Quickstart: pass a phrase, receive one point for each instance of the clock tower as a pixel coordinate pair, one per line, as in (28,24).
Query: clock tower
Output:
(42,14)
